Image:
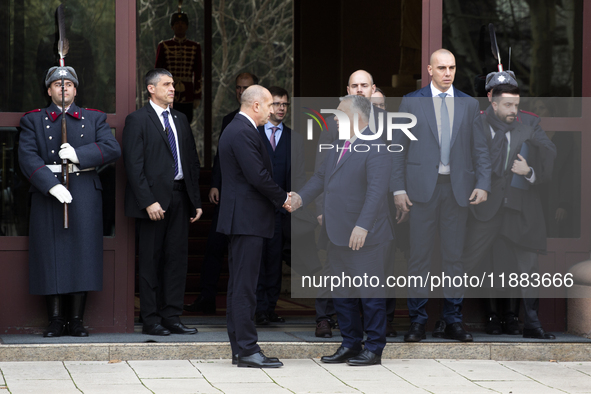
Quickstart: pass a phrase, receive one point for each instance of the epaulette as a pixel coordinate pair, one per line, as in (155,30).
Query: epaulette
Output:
(96,110)
(34,110)
(529,113)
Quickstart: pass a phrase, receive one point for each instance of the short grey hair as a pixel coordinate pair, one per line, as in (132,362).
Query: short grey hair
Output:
(359,104)
(251,94)
(153,76)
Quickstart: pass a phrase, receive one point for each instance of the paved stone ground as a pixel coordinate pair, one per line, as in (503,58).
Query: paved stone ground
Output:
(297,376)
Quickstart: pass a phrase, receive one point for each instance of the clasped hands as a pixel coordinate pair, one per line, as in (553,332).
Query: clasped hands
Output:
(293,202)
(358,235)
(59,191)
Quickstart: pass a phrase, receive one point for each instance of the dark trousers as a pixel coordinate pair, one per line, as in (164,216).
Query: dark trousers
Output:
(442,215)
(324,304)
(270,274)
(163,250)
(481,237)
(352,327)
(212,261)
(244,260)
(369,260)
(185,108)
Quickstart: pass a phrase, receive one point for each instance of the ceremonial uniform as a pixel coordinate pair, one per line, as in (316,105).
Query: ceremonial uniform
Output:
(182,57)
(62,260)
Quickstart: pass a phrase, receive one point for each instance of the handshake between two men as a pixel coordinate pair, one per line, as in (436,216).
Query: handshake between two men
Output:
(358,235)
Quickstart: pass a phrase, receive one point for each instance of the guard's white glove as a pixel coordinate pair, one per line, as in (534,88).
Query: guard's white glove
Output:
(61,193)
(68,152)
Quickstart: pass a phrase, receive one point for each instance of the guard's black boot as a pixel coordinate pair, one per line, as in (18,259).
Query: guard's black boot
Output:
(55,312)
(75,325)
(493,323)
(511,316)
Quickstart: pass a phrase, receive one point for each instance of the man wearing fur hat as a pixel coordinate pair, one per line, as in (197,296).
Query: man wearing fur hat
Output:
(65,263)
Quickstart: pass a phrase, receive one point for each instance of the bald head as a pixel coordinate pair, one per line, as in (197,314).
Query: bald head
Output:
(361,84)
(440,52)
(442,69)
(257,102)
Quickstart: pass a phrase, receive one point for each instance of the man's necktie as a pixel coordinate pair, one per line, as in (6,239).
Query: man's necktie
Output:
(273,131)
(172,142)
(445,131)
(508,151)
(345,149)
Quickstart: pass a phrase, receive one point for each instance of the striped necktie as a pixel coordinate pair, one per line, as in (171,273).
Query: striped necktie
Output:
(172,142)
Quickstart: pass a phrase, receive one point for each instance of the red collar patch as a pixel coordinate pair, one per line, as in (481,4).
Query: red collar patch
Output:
(34,110)
(54,115)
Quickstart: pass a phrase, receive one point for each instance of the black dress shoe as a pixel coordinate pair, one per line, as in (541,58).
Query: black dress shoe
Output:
(415,333)
(439,330)
(493,325)
(202,304)
(365,358)
(511,325)
(457,332)
(261,319)
(537,333)
(179,328)
(390,331)
(258,360)
(235,359)
(323,329)
(155,329)
(274,318)
(341,355)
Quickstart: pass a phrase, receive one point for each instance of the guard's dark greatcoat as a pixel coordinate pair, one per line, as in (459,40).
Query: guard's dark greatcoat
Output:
(65,260)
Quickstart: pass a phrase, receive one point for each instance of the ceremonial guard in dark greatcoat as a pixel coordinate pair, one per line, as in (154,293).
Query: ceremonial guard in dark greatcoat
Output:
(65,263)
(182,58)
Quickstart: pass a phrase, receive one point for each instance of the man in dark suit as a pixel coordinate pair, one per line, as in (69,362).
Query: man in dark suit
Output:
(360,83)
(356,227)
(162,193)
(278,141)
(247,216)
(217,242)
(434,178)
(511,213)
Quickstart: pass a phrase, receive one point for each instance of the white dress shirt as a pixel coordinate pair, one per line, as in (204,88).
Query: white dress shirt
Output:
(159,110)
(269,132)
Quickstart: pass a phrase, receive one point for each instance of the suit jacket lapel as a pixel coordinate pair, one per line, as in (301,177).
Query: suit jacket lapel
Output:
(265,152)
(517,138)
(261,130)
(349,153)
(344,158)
(459,109)
(286,133)
(179,131)
(429,110)
(152,115)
